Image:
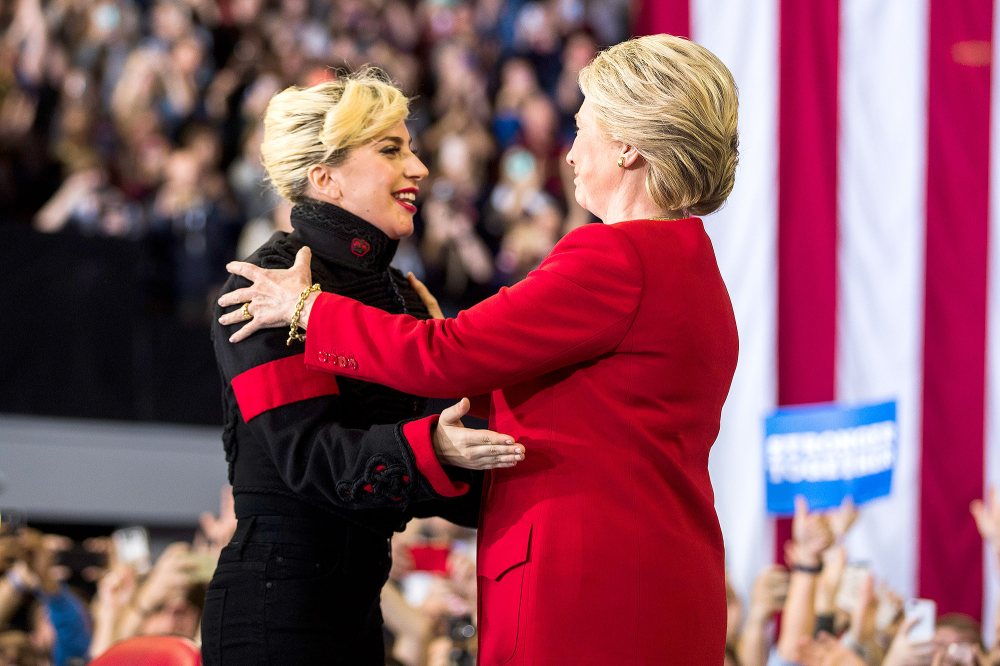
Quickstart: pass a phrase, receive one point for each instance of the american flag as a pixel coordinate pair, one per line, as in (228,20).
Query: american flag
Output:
(857,249)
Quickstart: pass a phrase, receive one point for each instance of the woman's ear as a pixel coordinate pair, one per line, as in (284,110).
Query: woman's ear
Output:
(630,156)
(323,181)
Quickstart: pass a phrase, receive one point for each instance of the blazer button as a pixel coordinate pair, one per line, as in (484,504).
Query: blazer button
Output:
(322,357)
(341,361)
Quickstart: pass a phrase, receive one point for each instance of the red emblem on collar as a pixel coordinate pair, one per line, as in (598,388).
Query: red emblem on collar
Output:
(360,247)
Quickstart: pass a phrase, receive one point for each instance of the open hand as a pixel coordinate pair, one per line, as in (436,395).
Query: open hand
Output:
(172,572)
(218,530)
(770,589)
(114,590)
(843,517)
(272,297)
(811,533)
(906,652)
(987,515)
(472,449)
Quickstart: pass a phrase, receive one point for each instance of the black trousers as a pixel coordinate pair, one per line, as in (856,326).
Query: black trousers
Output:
(294,591)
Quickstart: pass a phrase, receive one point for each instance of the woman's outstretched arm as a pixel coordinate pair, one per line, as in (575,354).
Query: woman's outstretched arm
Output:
(576,306)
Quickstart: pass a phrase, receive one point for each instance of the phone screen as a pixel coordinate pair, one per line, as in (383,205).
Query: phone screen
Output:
(850,586)
(132,547)
(925,610)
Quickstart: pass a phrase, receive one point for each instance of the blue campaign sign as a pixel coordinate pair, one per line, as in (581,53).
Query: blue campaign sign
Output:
(828,451)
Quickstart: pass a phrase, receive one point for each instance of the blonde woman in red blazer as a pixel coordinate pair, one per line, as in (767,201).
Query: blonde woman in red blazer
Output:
(610,363)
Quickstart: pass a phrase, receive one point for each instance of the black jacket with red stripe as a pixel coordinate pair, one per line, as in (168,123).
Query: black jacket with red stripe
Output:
(298,440)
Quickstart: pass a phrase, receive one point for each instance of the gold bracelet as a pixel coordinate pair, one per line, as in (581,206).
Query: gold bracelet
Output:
(293,330)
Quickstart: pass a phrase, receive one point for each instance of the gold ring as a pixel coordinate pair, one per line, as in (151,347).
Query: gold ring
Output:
(246,311)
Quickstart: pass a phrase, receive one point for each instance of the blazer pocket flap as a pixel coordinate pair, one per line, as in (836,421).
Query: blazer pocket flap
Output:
(505,552)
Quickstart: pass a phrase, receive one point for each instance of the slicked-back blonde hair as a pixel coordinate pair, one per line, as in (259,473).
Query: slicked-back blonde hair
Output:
(676,103)
(322,123)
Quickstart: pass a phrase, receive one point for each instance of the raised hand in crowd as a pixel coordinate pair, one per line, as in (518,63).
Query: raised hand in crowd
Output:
(58,624)
(449,597)
(825,650)
(39,570)
(828,584)
(78,192)
(811,535)
(842,518)
(218,530)
(861,632)
(462,576)
(889,616)
(770,589)
(412,629)
(170,580)
(114,594)
(904,651)
(987,517)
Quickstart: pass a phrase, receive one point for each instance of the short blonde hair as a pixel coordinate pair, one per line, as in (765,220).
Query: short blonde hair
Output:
(676,103)
(322,123)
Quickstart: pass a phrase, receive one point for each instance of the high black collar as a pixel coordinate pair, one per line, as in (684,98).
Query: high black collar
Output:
(336,235)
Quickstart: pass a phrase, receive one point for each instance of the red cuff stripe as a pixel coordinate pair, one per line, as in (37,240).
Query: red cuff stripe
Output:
(280,383)
(418,435)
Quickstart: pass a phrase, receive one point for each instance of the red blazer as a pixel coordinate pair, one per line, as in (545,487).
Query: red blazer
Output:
(610,363)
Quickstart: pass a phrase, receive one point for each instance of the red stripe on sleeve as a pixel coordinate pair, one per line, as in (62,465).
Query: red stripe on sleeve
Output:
(418,436)
(280,383)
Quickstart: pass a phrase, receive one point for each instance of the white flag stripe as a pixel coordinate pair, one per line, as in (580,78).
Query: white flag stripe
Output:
(881,202)
(992,454)
(743,33)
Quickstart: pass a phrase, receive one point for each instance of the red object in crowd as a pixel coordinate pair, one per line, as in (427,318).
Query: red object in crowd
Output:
(151,651)
(431,557)
(610,363)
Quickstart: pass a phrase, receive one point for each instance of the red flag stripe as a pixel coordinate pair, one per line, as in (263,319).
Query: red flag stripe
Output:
(807,206)
(655,16)
(956,278)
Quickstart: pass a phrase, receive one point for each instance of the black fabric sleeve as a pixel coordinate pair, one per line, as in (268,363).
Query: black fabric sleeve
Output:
(315,456)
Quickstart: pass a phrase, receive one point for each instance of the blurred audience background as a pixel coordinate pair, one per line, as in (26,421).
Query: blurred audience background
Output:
(65,601)
(129,167)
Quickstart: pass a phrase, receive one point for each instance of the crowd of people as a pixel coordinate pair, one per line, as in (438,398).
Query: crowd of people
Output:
(60,610)
(140,119)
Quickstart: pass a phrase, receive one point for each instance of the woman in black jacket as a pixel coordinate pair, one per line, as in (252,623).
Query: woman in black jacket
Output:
(324,469)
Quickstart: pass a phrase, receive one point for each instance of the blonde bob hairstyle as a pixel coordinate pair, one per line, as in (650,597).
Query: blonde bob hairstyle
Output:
(675,103)
(322,123)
